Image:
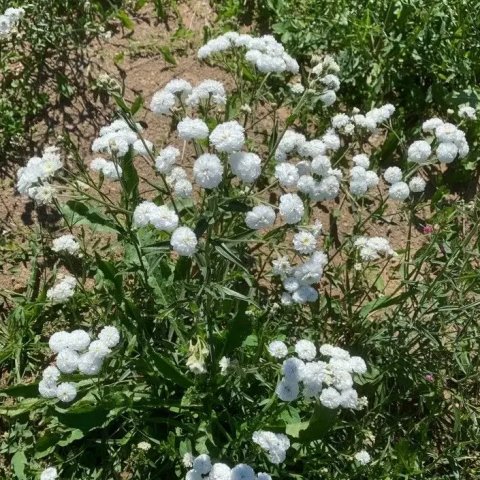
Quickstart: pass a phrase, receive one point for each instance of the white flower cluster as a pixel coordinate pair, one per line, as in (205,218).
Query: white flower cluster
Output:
(9,20)
(66,243)
(372,248)
(371,120)
(63,290)
(109,169)
(362,179)
(362,457)
(203,469)
(324,76)
(275,444)
(466,111)
(331,383)
(49,473)
(450,143)
(179,91)
(298,280)
(400,190)
(75,351)
(116,139)
(264,52)
(183,239)
(313,174)
(32,180)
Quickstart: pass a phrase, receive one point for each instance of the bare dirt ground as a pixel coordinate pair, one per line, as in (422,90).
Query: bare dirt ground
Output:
(135,60)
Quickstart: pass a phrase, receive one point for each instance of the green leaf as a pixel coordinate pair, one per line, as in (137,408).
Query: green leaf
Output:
(83,416)
(154,361)
(21,390)
(167,55)
(19,460)
(77,213)
(125,19)
(137,105)
(319,424)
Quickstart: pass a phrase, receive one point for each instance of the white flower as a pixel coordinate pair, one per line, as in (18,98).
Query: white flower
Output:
(466,111)
(286,298)
(184,241)
(224,364)
(304,242)
(110,170)
(447,152)
(59,341)
(399,191)
(208,171)
(417,184)
(242,471)
(261,216)
(66,243)
(161,217)
(67,361)
(429,126)
(281,266)
(49,473)
(371,249)
(287,390)
(312,148)
(328,98)
(447,132)
(192,129)
(306,350)
(166,159)
(47,389)
(202,464)
(361,160)
(305,184)
(208,90)
(340,120)
(321,165)
(419,152)
(66,392)
(291,208)
(362,457)
(277,349)
(90,363)
(178,86)
(331,140)
(305,294)
(162,102)
(292,369)
(110,336)
(144,446)
(187,460)
(297,88)
(51,374)
(63,290)
(393,175)
(228,137)
(287,174)
(193,475)
(220,471)
(330,398)
(99,349)
(37,170)
(275,444)
(42,194)
(183,188)
(246,166)
(371,178)
(143,147)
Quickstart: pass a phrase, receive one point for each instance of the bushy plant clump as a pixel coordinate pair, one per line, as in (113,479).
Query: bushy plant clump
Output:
(218,254)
